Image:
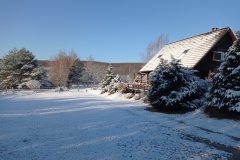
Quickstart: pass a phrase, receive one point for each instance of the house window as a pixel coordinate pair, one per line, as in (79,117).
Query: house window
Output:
(218,56)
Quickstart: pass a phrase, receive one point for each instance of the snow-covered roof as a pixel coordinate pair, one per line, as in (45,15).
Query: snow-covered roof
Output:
(189,50)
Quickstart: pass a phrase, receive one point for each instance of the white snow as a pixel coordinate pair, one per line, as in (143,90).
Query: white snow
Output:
(232,93)
(85,125)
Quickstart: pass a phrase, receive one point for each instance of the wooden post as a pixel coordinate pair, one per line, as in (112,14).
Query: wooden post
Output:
(209,74)
(147,78)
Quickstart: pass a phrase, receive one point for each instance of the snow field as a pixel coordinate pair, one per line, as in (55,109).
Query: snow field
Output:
(86,125)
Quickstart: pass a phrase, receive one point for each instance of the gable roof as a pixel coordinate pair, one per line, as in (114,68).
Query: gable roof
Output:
(190,50)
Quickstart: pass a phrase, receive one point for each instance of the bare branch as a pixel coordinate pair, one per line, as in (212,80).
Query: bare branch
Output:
(154,47)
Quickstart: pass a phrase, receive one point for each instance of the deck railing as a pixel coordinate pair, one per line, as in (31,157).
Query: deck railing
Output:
(138,86)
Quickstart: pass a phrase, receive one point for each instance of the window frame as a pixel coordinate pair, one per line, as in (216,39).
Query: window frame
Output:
(222,56)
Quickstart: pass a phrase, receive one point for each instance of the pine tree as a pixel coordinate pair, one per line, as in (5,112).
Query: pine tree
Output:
(107,78)
(75,73)
(175,88)
(224,96)
(20,67)
(112,88)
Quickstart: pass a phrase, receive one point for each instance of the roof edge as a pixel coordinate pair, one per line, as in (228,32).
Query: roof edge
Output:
(228,30)
(200,35)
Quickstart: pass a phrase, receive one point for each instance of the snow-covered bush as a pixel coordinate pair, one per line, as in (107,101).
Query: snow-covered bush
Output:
(121,87)
(46,84)
(145,99)
(129,95)
(137,96)
(175,88)
(61,89)
(224,96)
(32,84)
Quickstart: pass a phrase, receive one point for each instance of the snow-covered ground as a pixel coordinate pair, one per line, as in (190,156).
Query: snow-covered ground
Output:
(85,125)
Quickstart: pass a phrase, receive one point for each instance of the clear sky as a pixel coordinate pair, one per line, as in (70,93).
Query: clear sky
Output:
(109,30)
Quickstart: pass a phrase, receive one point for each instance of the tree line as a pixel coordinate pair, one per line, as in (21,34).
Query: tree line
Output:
(19,69)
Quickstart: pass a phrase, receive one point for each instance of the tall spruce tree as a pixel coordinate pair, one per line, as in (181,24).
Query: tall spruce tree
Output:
(175,88)
(107,78)
(224,96)
(75,73)
(19,67)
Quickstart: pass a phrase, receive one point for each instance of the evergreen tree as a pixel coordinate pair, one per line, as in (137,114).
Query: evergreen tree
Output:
(175,88)
(107,79)
(20,67)
(224,96)
(75,73)
(112,88)
(117,79)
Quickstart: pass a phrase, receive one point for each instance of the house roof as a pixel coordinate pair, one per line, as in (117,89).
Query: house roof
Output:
(190,50)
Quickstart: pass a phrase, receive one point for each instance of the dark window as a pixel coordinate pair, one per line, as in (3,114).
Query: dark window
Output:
(218,56)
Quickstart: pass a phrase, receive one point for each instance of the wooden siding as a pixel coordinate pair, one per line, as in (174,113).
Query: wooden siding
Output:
(207,65)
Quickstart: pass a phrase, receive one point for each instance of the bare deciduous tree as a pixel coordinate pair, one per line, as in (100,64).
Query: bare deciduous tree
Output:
(59,69)
(154,47)
(90,58)
(95,69)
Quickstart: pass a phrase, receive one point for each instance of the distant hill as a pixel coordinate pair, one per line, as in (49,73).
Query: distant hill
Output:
(127,71)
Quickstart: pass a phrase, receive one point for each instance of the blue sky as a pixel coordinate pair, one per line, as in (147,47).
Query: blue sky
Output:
(109,30)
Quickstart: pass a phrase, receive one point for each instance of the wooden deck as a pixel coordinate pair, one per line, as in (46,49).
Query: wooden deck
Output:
(138,87)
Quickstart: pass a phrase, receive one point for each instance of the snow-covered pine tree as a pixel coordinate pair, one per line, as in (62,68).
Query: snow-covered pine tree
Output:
(112,88)
(75,73)
(19,67)
(107,79)
(175,88)
(224,96)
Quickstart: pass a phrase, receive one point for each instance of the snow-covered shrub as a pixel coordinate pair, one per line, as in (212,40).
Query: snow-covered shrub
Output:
(32,84)
(224,96)
(175,88)
(61,89)
(145,99)
(121,87)
(129,95)
(137,96)
(46,84)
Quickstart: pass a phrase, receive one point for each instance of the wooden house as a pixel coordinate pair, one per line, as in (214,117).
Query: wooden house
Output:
(203,52)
